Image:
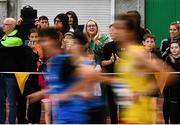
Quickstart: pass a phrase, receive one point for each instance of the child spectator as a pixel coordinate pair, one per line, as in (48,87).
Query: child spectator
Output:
(171,106)
(149,43)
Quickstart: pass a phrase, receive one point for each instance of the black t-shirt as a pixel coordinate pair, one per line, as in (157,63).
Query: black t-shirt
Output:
(29,61)
(157,53)
(174,87)
(109,48)
(175,65)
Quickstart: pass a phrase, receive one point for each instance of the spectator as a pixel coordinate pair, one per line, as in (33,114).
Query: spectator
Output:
(68,42)
(73,21)
(41,66)
(34,44)
(171,106)
(43,22)
(95,38)
(61,23)
(109,57)
(9,27)
(10,56)
(152,54)
(110,51)
(174,31)
(32,82)
(31,86)
(150,46)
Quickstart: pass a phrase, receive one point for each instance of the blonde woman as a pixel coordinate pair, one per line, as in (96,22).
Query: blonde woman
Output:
(96,40)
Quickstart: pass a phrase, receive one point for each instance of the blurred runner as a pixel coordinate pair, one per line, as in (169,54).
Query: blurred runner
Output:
(134,65)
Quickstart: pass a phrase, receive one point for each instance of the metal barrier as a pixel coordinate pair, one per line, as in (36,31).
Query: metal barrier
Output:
(38,73)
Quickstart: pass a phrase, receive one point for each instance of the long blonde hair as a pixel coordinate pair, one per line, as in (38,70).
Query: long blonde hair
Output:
(98,35)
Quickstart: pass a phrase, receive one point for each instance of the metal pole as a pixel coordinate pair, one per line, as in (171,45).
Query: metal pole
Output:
(12,6)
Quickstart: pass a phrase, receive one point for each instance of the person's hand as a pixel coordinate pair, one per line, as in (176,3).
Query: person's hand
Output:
(33,46)
(112,59)
(59,97)
(97,42)
(117,58)
(96,39)
(19,21)
(36,22)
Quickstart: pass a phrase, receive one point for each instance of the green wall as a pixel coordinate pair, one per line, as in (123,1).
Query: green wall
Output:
(159,14)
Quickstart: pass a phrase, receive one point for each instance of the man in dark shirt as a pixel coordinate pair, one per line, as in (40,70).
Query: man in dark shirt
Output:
(109,58)
(10,51)
(110,52)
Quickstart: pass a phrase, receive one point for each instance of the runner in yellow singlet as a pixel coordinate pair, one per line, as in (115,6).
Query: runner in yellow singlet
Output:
(142,109)
(135,65)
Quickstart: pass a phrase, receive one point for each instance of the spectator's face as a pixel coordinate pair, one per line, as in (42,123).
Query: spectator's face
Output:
(8,26)
(173,31)
(175,49)
(92,28)
(58,24)
(34,37)
(113,33)
(70,19)
(149,44)
(44,23)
